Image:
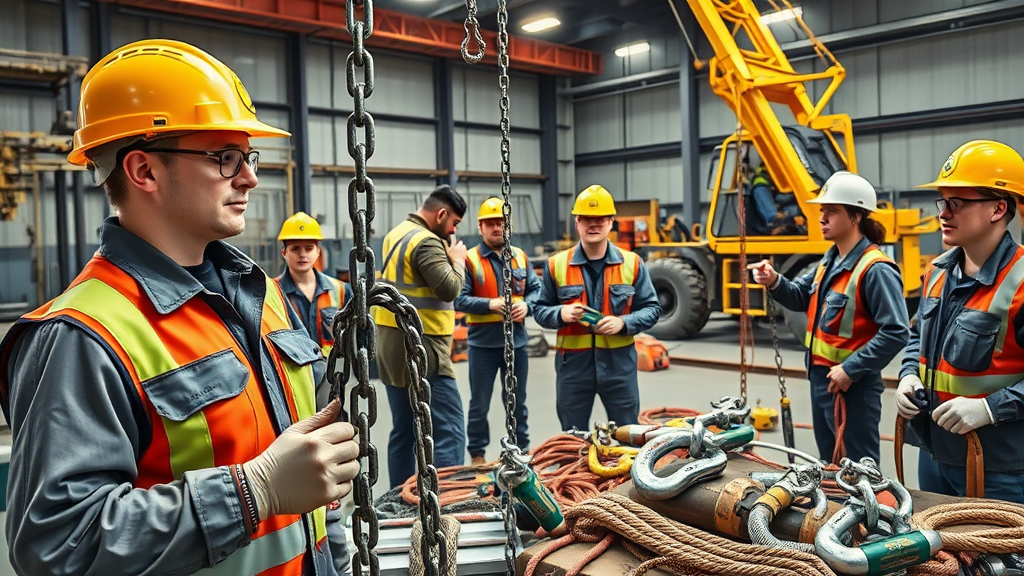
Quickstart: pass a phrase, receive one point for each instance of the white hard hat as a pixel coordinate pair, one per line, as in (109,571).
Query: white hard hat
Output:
(850,189)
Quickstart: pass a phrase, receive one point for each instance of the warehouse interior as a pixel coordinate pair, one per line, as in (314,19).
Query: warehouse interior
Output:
(618,93)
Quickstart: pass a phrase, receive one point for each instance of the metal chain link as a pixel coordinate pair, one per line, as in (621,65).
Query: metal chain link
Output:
(770,308)
(355,333)
(510,447)
(472,23)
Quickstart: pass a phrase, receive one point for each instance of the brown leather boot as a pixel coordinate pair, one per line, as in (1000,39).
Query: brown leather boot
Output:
(478,460)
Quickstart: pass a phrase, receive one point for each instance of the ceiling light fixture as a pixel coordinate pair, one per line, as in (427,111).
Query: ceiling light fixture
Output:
(782,15)
(541,24)
(637,48)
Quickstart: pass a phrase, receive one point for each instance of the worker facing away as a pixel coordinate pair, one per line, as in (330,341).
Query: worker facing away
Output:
(967,348)
(163,407)
(426,269)
(314,296)
(856,317)
(597,296)
(482,301)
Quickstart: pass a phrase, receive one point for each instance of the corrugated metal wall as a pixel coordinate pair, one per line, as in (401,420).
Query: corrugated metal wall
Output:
(959,68)
(404,88)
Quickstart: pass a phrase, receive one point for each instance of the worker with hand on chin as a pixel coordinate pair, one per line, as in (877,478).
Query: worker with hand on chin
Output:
(856,317)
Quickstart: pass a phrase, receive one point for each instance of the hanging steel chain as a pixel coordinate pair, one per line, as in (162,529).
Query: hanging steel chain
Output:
(355,333)
(472,23)
(512,457)
(770,309)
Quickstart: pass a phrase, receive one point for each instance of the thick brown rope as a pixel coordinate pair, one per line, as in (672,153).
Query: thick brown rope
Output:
(1009,538)
(839,419)
(679,547)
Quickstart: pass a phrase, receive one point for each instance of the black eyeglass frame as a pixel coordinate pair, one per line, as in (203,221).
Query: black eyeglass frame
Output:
(943,204)
(252,157)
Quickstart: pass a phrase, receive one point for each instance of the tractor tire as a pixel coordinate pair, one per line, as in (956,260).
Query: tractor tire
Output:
(797,321)
(683,294)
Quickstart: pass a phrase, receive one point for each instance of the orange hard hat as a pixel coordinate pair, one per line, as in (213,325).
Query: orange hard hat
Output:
(154,87)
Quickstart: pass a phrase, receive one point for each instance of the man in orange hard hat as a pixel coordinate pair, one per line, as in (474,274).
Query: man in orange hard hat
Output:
(967,347)
(314,296)
(163,407)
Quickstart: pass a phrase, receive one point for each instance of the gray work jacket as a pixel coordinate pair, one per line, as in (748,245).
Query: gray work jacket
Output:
(600,365)
(79,427)
(937,320)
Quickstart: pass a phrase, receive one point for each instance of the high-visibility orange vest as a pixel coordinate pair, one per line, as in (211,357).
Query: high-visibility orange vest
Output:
(576,336)
(331,298)
(201,432)
(1002,300)
(844,327)
(485,283)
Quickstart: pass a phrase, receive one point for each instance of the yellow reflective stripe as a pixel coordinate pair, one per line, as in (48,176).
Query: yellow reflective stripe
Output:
(124,321)
(969,385)
(276,301)
(477,264)
(319,524)
(335,292)
(561,263)
(850,310)
(263,553)
(629,261)
(1003,298)
(823,350)
(300,380)
(490,316)
(191,446)
(583,341)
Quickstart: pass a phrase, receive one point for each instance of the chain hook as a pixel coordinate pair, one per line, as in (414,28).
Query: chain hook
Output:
(472,23)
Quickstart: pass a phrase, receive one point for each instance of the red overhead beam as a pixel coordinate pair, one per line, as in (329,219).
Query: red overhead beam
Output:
(326,19)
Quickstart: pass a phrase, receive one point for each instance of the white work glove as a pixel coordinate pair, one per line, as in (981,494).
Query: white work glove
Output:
(961,414)
(310,465)
(908,384)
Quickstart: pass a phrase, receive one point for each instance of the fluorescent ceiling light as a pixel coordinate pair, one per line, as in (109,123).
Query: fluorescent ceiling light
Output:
(633,49)
(541,24)
(782,15)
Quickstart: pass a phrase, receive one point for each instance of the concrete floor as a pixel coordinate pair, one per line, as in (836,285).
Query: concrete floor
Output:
(675,387)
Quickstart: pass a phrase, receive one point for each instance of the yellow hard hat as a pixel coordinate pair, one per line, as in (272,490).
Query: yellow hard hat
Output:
(301,226)
(594,201)
(491,208)
(153,87)
(982,164)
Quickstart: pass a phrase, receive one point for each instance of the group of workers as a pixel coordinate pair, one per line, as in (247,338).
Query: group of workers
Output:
(169,410)
(963,357)
(170,413)
(440,276)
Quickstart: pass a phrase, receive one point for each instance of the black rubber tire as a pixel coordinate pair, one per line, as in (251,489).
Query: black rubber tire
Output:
(797,321)
(683,295)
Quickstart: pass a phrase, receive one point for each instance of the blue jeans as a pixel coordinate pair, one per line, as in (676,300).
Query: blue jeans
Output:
(484,364)
(863,414)
(952,480)
(449,429)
